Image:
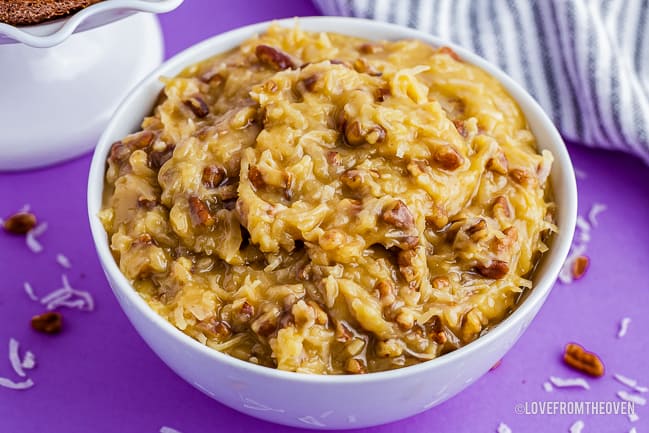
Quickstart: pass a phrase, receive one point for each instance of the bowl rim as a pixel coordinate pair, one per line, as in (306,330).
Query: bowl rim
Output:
(529,306)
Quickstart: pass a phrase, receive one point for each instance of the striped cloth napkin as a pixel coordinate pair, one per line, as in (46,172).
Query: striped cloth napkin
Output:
(585,61)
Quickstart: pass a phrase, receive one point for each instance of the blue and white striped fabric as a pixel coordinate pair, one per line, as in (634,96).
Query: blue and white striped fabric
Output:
(585,61)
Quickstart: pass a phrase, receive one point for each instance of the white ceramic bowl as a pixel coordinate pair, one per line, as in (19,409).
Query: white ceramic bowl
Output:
(333,402)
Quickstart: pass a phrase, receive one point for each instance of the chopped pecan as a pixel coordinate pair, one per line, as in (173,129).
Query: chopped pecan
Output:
(255,177)
(355,366)
(356,135)
(441,283)
(145,203)
(215,329)
(521,177)
(386,292)
(459,126)
(501,208)
(265,325)
(498,163)
(333,158)
(119,152)
(212,76)
(496,270)
(198,106)
(139,140)
(213,175)
(450,52)
(48,323)
(447,158)
(504,244)
(370,48)
(579,267)
(310,82)
(352,178)
(274,58)
(20,223)
(199,212)
(381,94)
(586,362)
(363,66)
(157,158)
(399,216)
(477,230)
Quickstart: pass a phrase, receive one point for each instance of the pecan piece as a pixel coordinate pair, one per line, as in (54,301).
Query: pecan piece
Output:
(157,158)
(218,329)
(48,323)
(197,105)
(139,140)
(255,177)
(579,267)
(521,177)
(370,48)
(119,152)
(447,158)
(496,270)
(356,135)
(274,58)
(20,223)
(310,82)
(586,362)
(498,163)
(399,216)
(355,366)
(381,93)
(501,208)
(213,175)
(199,212)
(477,230)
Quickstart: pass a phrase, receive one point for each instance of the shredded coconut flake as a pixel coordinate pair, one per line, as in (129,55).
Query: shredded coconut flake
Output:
(631,383)
(30,291)
(63,261)
(634,398)
(595,210)
(569,383)
(165,429)
(32,235)
(14,357)
(633,430)
(547,386)
(633,417)
(29,361)
(577,426)
(7,383)
(69,297)
(504,428)
(624,327)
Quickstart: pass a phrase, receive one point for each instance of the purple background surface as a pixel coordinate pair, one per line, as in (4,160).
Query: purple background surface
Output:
(99,376)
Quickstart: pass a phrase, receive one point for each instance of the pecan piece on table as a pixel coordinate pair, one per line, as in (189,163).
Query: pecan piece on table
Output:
(20,223)
(274,58)
(587,362)
(48,323)
(580,266)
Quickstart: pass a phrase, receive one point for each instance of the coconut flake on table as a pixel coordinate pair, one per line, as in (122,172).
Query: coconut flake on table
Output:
(547,386)
(165,429)
(14,357)
(503,428)
(64,297)
(63,261)
(595,210)
(633,398)
(633,417)
(576,382)
(7,383)
(624,327)
(31,239)
(633,430)
(631,383)
(29,361)
(577,426)
(30,291)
